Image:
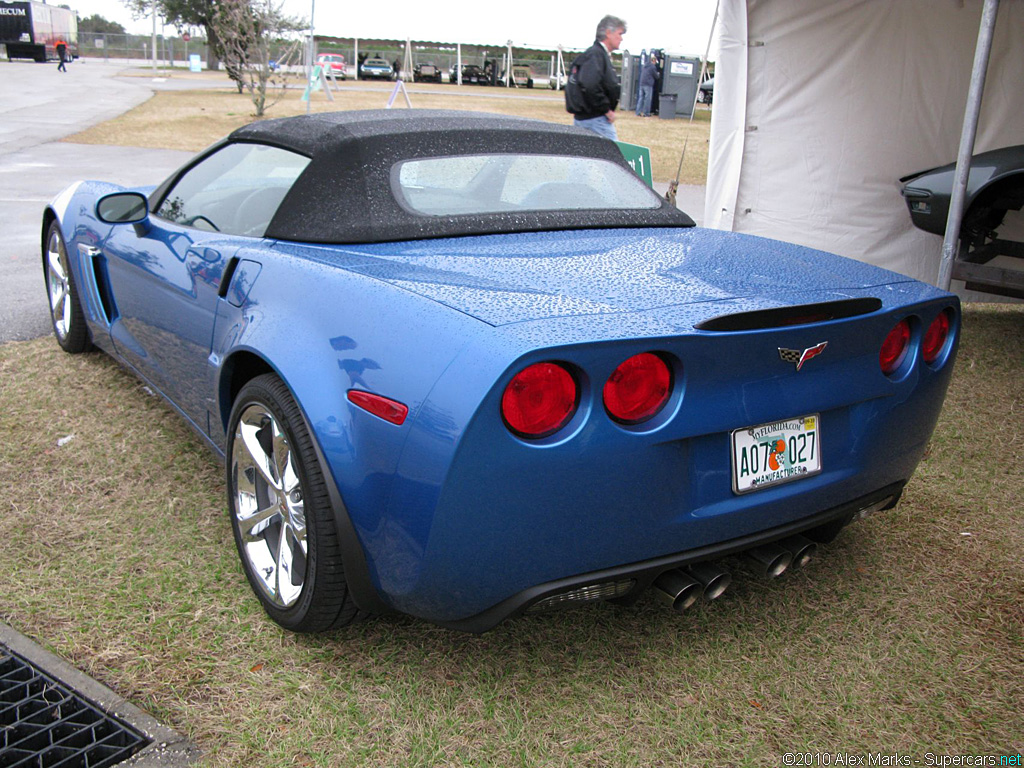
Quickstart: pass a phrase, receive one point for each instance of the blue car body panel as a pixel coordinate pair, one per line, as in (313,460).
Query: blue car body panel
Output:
(451,512)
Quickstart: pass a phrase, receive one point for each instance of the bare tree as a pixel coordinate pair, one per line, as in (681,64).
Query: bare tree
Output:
(250,33)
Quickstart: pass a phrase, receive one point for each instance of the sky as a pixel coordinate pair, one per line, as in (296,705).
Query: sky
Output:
(679,26)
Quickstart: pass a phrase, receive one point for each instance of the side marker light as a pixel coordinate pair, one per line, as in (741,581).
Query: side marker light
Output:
(382,407)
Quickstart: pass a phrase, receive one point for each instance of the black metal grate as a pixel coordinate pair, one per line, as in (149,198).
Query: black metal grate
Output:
(45,724)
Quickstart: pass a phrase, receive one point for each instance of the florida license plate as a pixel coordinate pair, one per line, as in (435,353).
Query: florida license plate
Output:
(774,453)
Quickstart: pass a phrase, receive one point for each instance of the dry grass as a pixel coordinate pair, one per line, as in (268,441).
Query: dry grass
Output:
(192,120)
(905,635)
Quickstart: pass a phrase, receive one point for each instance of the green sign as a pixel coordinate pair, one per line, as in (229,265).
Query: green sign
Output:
(315,82)
(639,159)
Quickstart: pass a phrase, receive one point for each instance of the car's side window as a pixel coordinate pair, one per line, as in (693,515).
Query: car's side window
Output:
(237,190)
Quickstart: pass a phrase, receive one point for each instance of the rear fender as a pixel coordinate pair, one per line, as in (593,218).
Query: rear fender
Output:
(349,332)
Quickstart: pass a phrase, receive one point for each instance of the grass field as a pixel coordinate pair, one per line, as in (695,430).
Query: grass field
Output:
(192,120)
(906,635)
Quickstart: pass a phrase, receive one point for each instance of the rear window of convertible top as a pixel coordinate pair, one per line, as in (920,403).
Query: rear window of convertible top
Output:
(480,184)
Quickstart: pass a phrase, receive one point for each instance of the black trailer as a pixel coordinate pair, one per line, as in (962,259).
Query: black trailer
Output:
(30,29)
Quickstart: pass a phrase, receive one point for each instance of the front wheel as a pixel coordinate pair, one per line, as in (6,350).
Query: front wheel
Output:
(281,514)
(65,308)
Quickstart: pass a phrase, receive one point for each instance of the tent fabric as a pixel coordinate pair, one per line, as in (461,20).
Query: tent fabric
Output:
(820,108)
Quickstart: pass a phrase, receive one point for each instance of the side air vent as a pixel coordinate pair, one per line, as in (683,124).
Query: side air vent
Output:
(780,317)
(103,286)
(99,271)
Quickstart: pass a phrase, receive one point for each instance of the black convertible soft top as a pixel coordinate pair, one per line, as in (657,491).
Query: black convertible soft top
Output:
(345,195)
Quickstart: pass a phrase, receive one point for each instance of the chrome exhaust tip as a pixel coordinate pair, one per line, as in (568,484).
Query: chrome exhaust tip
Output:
(802,549)
(678,589)
(771,560)
(714,580)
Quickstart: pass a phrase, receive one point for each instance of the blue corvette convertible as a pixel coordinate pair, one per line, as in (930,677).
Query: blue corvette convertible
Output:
(463,366)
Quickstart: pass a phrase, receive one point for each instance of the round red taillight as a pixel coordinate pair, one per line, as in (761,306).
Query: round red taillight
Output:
(894,348)
(540,400)
(935,338)
(638,388)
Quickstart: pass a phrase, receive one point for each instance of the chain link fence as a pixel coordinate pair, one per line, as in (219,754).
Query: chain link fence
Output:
(170,51)
(175,52)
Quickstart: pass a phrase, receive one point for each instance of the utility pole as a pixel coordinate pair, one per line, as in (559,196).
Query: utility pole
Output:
(312,54)
(152,45)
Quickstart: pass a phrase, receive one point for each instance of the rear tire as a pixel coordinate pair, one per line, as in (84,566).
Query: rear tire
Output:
(66,314)
(281,513)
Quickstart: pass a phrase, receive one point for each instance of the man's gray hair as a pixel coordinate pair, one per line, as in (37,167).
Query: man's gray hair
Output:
(609,24)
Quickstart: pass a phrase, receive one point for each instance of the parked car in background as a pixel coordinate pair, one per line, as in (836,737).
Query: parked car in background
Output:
(706,91)
(333,64)
(472,74)
(992,228)
(500,374)
(521,77)
(426,73)
(556,81)
(376,69)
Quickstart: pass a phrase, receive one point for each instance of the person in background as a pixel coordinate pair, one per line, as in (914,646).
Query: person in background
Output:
(592,90)
(62,52)
(648,78)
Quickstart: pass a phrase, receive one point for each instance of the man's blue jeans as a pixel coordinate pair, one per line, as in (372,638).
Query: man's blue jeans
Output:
(600,125)
(643,101)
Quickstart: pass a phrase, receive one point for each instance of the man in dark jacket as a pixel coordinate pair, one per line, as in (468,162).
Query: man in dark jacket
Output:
(648,77)
(592,90)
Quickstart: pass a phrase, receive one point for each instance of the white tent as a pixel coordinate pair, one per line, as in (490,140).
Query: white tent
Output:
(820,108)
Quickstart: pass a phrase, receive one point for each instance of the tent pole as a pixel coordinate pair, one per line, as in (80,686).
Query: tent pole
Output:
(674,184)
(704,65)
(693,107)
(967,135)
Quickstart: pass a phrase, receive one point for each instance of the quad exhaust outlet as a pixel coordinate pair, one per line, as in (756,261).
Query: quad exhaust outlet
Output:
(681,588)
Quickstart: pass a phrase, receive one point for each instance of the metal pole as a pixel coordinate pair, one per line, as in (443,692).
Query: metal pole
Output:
(693,107)
(970,129)
(152,47)
(312,55)
(704,65)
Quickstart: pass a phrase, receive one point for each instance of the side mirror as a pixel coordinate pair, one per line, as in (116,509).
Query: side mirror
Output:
(125,208)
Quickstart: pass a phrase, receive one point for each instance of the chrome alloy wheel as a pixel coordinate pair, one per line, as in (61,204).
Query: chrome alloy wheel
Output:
(57,284)
(268,505)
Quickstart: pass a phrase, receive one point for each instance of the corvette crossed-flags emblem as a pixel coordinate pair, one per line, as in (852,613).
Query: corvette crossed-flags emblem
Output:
(798,358)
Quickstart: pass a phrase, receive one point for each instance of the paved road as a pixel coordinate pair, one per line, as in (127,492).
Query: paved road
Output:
(38,106)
